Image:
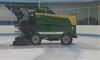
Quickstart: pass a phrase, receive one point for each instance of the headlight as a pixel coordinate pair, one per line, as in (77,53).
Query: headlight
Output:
(72,28)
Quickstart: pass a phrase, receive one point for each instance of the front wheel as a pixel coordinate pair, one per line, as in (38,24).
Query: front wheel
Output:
(36,39)
(66,39)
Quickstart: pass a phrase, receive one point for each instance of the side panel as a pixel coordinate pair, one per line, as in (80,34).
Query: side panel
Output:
(53,27)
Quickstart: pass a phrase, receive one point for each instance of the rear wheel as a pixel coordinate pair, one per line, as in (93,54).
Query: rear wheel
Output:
(66,39)
(36,39)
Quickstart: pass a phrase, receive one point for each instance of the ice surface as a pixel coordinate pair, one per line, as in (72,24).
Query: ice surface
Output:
(82,48)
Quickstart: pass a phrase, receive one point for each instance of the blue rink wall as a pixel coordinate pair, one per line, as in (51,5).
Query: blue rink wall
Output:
(82,30)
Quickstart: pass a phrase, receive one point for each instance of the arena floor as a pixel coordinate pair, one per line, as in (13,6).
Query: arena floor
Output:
(82,48)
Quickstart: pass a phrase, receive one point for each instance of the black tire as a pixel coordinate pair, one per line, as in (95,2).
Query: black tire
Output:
(36,39)
(66,39)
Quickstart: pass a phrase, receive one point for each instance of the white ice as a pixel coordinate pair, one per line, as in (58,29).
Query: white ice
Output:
(82,48)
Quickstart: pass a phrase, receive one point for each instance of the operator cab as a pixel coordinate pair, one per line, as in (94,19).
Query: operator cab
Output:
(29,25)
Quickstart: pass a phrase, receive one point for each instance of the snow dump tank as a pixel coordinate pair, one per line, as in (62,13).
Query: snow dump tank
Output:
(53,26)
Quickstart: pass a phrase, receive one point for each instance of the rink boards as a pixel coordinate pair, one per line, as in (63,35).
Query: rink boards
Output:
(83,29)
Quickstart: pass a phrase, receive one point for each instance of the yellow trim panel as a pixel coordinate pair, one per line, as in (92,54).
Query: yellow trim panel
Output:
(71,18)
